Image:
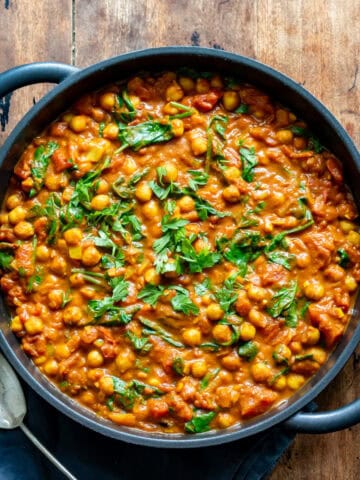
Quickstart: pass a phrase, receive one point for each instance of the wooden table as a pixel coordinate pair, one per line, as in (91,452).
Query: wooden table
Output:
(317,42)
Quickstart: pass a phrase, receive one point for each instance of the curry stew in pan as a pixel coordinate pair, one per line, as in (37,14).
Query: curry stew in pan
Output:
(179,252)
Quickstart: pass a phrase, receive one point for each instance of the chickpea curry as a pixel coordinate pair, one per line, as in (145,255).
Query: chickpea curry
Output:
(179,252)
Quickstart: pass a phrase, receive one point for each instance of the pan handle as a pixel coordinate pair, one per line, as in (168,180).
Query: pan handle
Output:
(49,72)
(325,422)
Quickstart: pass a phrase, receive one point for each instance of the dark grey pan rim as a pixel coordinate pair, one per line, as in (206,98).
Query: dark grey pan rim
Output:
(258,74)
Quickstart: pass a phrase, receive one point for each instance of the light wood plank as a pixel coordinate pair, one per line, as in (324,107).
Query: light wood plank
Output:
(31,31)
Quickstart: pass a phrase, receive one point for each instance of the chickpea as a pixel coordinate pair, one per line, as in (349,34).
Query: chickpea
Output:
(24,230)
(261,371)
(13,201)
(90,256)
(257,318)
(231,100)
(88,292)
(242,305)
(143,192)
(282,117)
(313,289)
(129,166)
(201,244)
(106,385)
(284,136)
(127,419)
(231,194)
(225,420)
(192,336)
(174,92)
(247,331)
(295,347)
(186,204)
(334,273)
(53,181)
(202,85)
(125,360)
(72,315)
(199,368)
(232,174)
(102,186)
(171,172)
(319,355)
(177,127)
(58,265)
(303,260)
(198,145)
(107,101)
(34,325)
(16,325)
(151,209)
(222,333)
(62,351)
(350,283)
(216,82)
(78,123)
(99,202)
(347,226)
(295,381)
(55,299)
(4,218)
(42,253)
(231,362)
(354,238)
(88,398)
(73,236)
(256,293)
(280,383)
(187,83)
(76,280)
(277,198)
(168,109)
(51,367)
(94,359)
(111,131)
(312,335)
(152,276)
(214,312)
(17,215)
(281,353)
(299,143)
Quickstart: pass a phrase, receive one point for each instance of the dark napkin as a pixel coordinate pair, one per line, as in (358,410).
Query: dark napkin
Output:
(91,456)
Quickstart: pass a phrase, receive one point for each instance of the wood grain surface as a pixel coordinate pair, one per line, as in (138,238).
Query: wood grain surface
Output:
(316,42)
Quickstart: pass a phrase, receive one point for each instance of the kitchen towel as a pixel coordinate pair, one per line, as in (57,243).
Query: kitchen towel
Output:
(91,456)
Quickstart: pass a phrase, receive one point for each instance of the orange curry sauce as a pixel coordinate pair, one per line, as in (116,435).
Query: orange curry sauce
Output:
(178,252)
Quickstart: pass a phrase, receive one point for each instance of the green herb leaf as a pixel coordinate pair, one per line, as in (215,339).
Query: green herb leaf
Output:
(344,258)
(199,179)
(284,259)
(200,422)
(144,134)
(249,162)
(140,344)
(203,288)
(182,302)
(248,350)
(5,260)
(208,378)
(154,329)
(40,163)
(178,366)
(150,294)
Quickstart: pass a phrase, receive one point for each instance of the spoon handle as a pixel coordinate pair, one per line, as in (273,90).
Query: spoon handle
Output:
(46,452)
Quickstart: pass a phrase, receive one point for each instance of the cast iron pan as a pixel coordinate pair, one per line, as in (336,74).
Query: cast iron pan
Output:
(72,84)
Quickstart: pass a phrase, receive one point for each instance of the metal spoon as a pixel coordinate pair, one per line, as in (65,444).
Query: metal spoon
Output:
(13,411)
